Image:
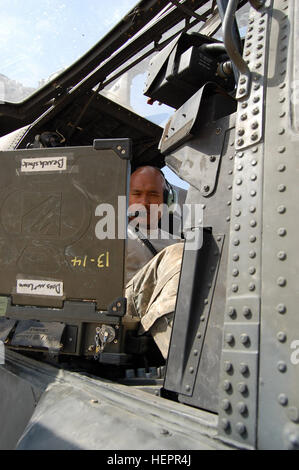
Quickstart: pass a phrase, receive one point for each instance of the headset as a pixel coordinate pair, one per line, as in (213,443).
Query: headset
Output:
(169,194)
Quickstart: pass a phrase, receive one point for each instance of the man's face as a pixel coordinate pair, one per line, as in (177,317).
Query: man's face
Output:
(146,190)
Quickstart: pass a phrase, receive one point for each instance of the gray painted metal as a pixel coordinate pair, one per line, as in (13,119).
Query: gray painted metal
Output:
(279,370)
(79,412)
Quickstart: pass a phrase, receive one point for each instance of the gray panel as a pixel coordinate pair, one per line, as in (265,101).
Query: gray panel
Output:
(239,361)
(48,224)
(279,370)
(200,378)
(17,404)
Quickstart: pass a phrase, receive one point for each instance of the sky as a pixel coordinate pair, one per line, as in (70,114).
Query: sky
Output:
(39,38)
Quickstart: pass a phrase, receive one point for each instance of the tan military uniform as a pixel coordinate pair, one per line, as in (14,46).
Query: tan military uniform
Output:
(151,295)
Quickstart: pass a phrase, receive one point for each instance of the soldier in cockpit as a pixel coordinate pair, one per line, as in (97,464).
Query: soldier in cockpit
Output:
(154,258)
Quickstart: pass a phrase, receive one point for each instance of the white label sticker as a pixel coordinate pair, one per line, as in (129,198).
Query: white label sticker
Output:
(38,287)
(43,164)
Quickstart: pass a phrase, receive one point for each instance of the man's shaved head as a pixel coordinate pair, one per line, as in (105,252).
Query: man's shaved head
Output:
(147,189)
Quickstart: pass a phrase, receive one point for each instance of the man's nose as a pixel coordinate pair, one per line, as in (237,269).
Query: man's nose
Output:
(144,199)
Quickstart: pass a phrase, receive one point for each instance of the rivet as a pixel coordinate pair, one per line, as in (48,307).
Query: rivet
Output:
(251,270)
(242,81)
(243,116)
(282,99)
(252,238)
(241,132)
(253,193)
(225,424)
(225,404)
(282,114)
(281,188)
(246,312)
(255,150)
(239,181)
(281,149)
(281,308)
(281,168)
(240,142)
(229,187)
(254,125)
(228,366)
(229,338)
(255,111)
(257,86)
(198,336)
(260,46)
(244,338)
(226,385)
(240,167)
(235,272)
(260,38)
(237,213)
(228,203)
(195,352)
(227,219)
(188,388)
(252,254)
(258,65)
(206,301)
(242,387)
(281,281)
(242,408)
(236,242)
(281,209)
(238,197)
(252,209)
(236,257)
(281,131)
(283,85)
(230,172)
(254,137)
(281,255)
(249,36)
(237,227)
(231,157)
(240,154)
(281,366)
(245,105)
(241,428)
(253,162)
(281,232)
(242,91)
(231,312)
(261,29)
(244,368)
(282,399)
(251,286)
(293,414)
(253,223)
(259,55)
(281,336)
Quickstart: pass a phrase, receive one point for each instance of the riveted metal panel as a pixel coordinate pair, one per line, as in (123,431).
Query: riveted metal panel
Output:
(251,93)
(201,368)
(279,370)
(239,361)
